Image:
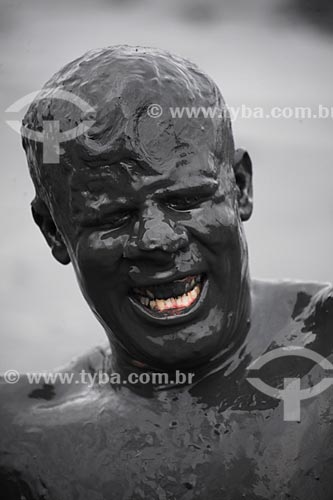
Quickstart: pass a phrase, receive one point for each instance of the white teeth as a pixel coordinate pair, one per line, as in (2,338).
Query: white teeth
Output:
(179,302)
(160,304)
(144,301)
(168,303)
(182,301)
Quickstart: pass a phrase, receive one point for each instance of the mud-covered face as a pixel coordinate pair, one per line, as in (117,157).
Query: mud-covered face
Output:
(146,207)
(159,252)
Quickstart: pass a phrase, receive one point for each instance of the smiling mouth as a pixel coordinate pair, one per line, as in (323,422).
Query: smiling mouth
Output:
(170,298)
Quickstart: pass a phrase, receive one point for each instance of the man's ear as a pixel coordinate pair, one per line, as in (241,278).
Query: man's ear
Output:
(243,174)
(45,222)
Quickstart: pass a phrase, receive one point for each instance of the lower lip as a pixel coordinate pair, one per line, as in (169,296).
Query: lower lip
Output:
(179,316)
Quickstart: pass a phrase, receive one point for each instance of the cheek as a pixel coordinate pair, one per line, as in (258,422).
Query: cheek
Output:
(216,226)
(218,231)
(99,253)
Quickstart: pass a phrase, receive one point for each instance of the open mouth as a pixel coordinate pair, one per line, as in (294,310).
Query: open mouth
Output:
(170,298)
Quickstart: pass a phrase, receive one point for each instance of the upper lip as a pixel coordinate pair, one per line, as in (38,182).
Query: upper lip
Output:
(162,277)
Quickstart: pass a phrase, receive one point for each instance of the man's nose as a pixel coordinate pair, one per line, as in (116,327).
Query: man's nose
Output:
(154,231)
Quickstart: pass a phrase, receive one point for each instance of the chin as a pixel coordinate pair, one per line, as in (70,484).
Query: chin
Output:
(180,345)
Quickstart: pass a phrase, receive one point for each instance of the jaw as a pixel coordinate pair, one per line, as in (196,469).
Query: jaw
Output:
(177,335)
(185,338)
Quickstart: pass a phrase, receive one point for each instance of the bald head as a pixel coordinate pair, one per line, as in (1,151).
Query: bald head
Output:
(121,84)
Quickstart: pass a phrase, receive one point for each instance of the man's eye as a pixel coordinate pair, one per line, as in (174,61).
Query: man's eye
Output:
(185,202)
(116,220)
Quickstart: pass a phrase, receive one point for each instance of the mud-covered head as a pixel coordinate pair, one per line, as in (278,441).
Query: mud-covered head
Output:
(146,200)
(115,92)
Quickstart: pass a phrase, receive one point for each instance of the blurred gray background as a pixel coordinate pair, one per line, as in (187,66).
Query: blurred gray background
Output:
(261,53)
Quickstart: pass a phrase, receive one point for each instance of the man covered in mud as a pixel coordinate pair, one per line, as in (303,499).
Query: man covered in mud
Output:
(149,210)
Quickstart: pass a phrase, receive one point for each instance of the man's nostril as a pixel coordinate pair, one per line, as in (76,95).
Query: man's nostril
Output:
(162,235)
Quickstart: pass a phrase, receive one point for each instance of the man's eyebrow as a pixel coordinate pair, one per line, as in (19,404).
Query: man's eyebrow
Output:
(208,187)
(90,214)
(107,203)
(104,203)
(105,161)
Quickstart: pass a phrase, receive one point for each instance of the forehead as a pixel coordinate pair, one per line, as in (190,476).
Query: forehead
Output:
(191,116)
(154,139)
(147,154)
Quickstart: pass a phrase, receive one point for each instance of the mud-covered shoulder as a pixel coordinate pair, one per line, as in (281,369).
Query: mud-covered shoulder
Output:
(322,305)
(291,312)
(16,481)
(317,317)
(297,298)
(32,412)
(21,392)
